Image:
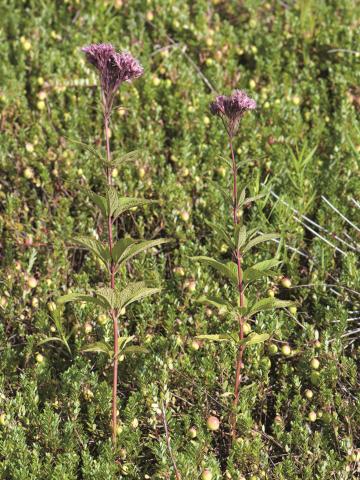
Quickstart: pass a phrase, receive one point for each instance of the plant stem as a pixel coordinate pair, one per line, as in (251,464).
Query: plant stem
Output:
(239,362)
(234,183)
(168,442)
(112,283)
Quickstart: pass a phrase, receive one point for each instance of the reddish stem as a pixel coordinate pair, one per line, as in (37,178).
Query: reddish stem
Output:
(112,283)
(239,359)
(235,183)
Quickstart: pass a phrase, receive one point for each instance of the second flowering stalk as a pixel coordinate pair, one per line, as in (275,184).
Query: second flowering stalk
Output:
(231,109)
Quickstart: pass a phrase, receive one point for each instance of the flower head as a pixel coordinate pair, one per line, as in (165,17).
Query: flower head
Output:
(114,68)
(99,54)
(232,108)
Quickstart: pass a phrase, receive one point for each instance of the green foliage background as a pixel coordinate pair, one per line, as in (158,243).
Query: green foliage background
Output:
(55,413)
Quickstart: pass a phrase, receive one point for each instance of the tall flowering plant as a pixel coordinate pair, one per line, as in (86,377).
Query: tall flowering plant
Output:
(114,69)
(230,109)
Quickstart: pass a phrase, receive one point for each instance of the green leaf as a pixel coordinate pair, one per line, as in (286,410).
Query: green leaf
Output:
(100,202)
(215,302)
(253,199)
(121,246)
(241,197)
(240,236)
(221,233)
(51,339)
(98,347)
(112,198)
(135,349)
(134,292)
(108,296)
(123,341)
(126,248)
(254,338)
(95,247)
(266,264)
(260,239)
(222,337)
(80,297)
(268,304)
(87,147)
(260,269)
(117,205)
(225,269)
(119,160)
(126,203)
(251,275)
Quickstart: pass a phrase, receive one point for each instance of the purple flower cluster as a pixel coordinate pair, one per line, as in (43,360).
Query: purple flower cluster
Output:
(232,108)
(114,68)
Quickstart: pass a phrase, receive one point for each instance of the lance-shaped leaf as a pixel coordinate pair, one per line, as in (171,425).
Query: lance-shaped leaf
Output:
(134,292)
(254,338)
(240,236)
(87,147)
(81,297)
(123,341)
(127,248)
(260,239)
(241,197)
(50,339)
(216,302)
(260,269)
(126,203)
(221,337)
(249,200)
(135,349)
(251,275)
(117,205)
(226,269)
(98,347)
(100,202)
(268,304)
(118,159)
(120,247)
(221,233)
(108,296)
(96,247)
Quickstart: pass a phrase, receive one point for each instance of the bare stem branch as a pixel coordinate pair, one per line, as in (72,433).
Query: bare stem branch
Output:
(168,442)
